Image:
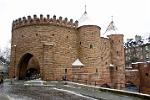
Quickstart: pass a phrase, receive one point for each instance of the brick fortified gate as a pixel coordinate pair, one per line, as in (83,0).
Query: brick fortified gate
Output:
(49,46)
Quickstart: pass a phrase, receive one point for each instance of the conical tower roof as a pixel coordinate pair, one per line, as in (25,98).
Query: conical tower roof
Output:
(85,19)
(111,29)
(77,62)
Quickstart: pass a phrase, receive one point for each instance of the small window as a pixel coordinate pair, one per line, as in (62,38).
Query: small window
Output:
(146,74)
(80,43)
(52,34)
(117,52)
(91,46)
(96,70)
(65,71)
(22,36)
(36,34)
(106,63)
(116,68)
(67,37)
(101,58)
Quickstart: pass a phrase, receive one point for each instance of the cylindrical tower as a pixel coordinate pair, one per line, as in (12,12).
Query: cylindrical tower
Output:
(51,42)
(89,39)
(89,48)
(117,59)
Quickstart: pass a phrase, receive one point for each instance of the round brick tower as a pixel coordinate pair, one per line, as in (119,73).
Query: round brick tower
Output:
(89,39)
(117,59)
(90,46)
(43,46)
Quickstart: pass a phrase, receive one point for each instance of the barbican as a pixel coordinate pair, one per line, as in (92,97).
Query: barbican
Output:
(57,49)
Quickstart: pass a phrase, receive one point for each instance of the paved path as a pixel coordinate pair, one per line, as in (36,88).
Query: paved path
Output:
(58,91)
(21,92)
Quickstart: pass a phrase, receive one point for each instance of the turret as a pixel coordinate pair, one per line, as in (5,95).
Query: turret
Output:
(89,39)
(117,60)
(117,66)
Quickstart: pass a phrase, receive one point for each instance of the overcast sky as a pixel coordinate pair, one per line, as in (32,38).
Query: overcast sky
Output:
(130,16)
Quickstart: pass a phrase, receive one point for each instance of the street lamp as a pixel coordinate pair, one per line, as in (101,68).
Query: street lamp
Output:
(15,60)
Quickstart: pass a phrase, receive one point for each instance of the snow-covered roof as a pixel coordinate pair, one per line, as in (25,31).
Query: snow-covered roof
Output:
(111,65)
(111,29)
(86,20)
(137,63)
(77,62)
(133,70)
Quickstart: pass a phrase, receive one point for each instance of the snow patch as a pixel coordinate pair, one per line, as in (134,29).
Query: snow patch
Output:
(37,82)
(77,62)
(72,92)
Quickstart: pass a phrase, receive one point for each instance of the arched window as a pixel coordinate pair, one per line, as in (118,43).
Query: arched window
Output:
(91,46)
(65,71)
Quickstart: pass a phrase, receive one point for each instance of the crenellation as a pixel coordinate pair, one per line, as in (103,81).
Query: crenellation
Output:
(71,21)
(60,18)
(29,17)
(20,20)
(26,21)
(48,17)
(34,17)
(29,20)
(76,23)
(41,17)
(54,17)
(17,22)
(65,20)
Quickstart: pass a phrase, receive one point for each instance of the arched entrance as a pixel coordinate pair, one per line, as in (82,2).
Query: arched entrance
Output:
(129,86)
(28,67)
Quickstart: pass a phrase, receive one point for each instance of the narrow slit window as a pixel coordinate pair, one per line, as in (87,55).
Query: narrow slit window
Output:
(91,46)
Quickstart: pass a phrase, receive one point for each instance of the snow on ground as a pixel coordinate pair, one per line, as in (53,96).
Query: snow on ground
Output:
(123,91)
(72,92)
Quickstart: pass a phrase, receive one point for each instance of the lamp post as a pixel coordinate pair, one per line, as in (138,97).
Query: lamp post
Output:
(15,60)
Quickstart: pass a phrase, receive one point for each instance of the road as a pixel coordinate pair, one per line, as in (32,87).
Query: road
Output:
(58,91)
(22,92)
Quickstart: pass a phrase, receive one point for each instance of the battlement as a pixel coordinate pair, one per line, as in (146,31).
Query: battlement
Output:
(27,21)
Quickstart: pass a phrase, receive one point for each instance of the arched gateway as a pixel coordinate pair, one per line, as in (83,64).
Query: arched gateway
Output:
(28,67)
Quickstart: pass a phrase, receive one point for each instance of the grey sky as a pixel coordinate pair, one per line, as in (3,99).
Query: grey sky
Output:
(130,16)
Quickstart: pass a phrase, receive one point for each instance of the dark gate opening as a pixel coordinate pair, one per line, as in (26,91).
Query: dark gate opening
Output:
(28,67)
(131,87)
(31,74)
